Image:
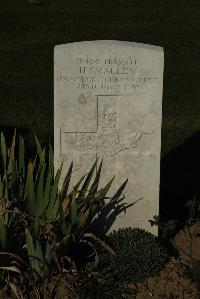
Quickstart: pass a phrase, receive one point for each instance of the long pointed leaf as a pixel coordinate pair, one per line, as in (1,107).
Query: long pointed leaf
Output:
(30,191)
(83,219)
(64,190)
(11,156)
(41,154)
(76,187)
(32,252)
(21,156)
(36,223)
(88,179)
(99,201)
(4,159)
(95,184)
(5,193)
(1,188)
(3,153)
(48,254)
(3,235)
(73,210)
(39,148)
(51,156)
(40,203)
(104,191)
(29,242)
(41,162)
(54,194)
(119,191)
(66,182)
(47,188)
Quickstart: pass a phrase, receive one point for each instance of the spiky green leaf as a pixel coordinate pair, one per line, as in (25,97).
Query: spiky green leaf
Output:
(1,187)
(12,155)
(21,156)
(3,151)
(34,253)
(95,184)
(73,210)
(54,195)
(30,190)
(85,186)
(117,195)
(66,182)
(64,190)
(47,188)
(84,218)
(48,254)
(104,191)
(39,148)
(51,156)
(40,203)
(29,242)
(3,235)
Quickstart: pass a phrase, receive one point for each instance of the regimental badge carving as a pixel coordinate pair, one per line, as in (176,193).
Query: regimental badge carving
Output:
(108,140)
(108,120)
(85,140)
(108,137)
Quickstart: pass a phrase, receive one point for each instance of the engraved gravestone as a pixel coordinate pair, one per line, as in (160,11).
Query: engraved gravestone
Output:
(108,104)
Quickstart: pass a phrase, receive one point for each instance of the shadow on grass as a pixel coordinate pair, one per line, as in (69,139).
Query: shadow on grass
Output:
(180,179)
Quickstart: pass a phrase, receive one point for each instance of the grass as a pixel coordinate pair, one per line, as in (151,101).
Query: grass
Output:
(28,34)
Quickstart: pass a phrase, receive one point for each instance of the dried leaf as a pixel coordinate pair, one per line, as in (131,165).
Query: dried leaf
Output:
(16,290)
(12,269)
(100,241)
(13,255)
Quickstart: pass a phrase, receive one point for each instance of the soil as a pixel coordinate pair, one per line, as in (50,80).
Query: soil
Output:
(180,278)
(173,282)
(170,283)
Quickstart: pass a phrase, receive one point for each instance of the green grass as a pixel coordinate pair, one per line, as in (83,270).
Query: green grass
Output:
(28,34)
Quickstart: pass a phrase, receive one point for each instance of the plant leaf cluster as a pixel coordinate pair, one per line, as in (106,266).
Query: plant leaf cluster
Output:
(41,224)
(139,255)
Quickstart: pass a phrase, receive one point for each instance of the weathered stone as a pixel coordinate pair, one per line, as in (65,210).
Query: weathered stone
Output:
(108,99)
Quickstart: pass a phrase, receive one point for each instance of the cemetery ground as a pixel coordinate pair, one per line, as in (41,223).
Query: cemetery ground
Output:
(28,36)
(50,249)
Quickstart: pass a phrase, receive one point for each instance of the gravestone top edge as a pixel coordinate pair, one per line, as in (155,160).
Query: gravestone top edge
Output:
(110,43)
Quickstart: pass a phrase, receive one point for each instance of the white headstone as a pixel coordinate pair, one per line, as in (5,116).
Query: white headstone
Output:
(108,103)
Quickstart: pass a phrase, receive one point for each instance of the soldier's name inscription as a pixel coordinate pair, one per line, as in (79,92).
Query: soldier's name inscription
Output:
(113,73)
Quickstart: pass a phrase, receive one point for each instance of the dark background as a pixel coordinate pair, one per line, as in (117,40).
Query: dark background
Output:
(29,32)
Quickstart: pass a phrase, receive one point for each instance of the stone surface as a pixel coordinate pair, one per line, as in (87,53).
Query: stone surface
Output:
(108,104)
